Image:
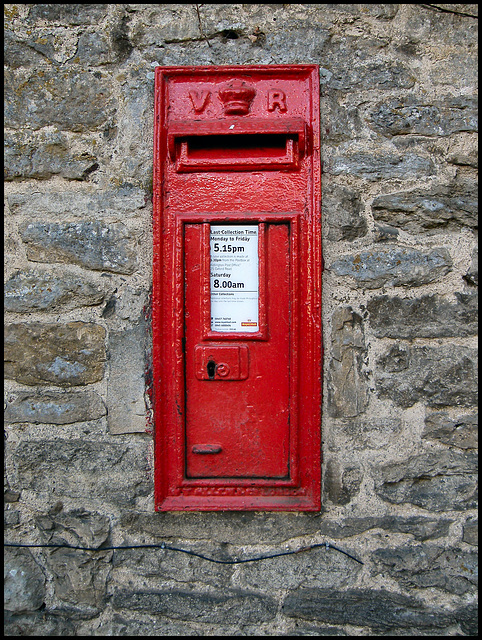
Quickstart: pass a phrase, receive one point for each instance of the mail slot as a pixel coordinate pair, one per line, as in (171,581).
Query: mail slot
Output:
(236,313)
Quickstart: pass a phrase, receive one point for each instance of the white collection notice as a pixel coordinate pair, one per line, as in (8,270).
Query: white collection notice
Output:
(234,278)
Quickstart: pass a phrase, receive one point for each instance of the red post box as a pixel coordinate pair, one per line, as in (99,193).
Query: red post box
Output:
(237,288)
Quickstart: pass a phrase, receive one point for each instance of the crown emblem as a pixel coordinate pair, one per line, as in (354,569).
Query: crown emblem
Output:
(237,97)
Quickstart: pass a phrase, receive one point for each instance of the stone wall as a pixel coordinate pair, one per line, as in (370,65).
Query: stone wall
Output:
(399,152)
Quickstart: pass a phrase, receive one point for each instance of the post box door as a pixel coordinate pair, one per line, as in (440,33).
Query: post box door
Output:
(238,389)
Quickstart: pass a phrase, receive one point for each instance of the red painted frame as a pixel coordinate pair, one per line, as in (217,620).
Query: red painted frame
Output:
(264,194)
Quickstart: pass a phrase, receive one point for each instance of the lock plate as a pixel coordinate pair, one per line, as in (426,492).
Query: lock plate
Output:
(221,362)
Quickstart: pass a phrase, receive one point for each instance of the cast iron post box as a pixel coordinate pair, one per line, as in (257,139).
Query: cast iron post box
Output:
(237,288)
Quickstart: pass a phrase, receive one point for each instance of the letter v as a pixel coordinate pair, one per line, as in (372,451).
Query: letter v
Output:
(199,99)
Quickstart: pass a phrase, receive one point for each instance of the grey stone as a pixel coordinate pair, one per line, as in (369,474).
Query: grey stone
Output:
(159,627)
(420,527)
(444,207)
(54,407)
(373,167)
(430,316)
(338,122)
(436,481)
(428,566)
(60,354)
(238,607)
(378,609)
(347,386)
(412,114)
(94,49)
(394,266)
(471,532)
(77,528)
(374,433)
(24,582)
(369,76)
(71,14)
(430,464)
(182,568)
(342,484)
(472,275)
(380,11)
(94,245)
(83,202)
(44,97)
(33,290)
(438,493)
(236,526)
(17,53)
(113,473)
(384,233)
(342,210)
(126,384)
(316,568)
(39,623)
(460,432)
(80,577)
(439,376)
(43,154)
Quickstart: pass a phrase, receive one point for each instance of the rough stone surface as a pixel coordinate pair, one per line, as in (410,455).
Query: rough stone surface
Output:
(236,607)
(414,115)
(448,207)
(342,483)
(127,385)
(440,376)
(46,153)
(94,245)
(347,386)
(394,267)
(42,98)
(426,565)
(460,432)
(380,610)
(24,582)
(471,532)
(435,481)
(60,354)
(343,212)
(84,470)
(34,290)
(80,577)
(54,407)
(429,316)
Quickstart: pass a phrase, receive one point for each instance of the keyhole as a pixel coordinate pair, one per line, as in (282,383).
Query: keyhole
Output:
(211,369)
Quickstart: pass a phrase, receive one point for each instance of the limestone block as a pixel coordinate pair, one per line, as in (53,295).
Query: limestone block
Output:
(394,266)
(444,207)
(36,290)
(126,384)
(60,354)
(459,432)
(430,316)
(91,244)
(439,376)
(24,582)
(54,407)
(44,97)
(347,385)
(439,481)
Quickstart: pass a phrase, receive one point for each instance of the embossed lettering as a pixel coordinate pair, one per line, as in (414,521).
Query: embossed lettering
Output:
(276,99)
(199,99)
